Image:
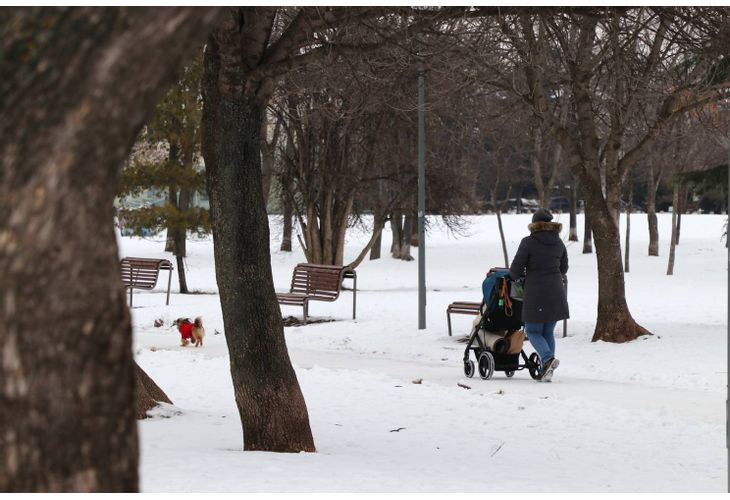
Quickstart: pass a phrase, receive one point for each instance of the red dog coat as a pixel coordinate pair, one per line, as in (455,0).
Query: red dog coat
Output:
(186,329)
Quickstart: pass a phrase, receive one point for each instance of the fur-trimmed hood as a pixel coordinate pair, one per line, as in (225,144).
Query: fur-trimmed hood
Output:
(553,227)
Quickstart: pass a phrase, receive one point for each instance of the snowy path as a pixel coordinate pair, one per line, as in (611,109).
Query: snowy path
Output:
(695,405)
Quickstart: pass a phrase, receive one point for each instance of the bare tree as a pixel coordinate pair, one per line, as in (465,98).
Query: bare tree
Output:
(244,57)
(618,53)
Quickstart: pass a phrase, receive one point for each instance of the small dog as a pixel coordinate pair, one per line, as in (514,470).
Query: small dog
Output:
(198,332)
(190,332)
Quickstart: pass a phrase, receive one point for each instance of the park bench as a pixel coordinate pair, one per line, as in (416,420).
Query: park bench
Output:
(142,273)
(461,308)
(473,309)
(317,282)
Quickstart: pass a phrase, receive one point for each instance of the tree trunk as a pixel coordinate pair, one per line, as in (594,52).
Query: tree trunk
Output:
(535,157)
(673,243)
(501,237)
(587,232)
(181,240)
(651,189)
(149,394)
(375,248)
(288,226)
(405,242)
(614,322)
(379,224)
(628,227)
(414,230)
(84,81)
(573,232)
(270,403)
(173,157)
(681,207)
(396,229)
(267,162)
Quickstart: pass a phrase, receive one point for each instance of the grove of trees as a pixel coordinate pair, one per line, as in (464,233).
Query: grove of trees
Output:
(311,110)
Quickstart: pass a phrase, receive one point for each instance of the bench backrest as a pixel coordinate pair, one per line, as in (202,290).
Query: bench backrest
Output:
(317,280)
(138,272)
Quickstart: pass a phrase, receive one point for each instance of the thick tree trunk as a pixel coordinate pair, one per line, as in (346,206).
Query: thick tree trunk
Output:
(614,322)
(270,403)
(267,164)
(149,394)
(83,80)
(573,232)
(627,245)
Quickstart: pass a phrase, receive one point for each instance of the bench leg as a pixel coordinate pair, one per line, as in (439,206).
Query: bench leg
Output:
(130,297)
(169,280)
(448,320)
(306,307)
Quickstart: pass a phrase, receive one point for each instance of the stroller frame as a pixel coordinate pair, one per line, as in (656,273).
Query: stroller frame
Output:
(489,361)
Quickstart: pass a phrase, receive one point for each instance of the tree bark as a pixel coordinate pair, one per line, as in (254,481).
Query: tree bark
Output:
(405,242)
(414,229)
(270,403)
(673,243)
(180,250)
(84,81)
(651,189)
(396,230)
(681,207)
(378,225)
(628,227)
(501,237)
(587,232)
(288,226)
(573,232)
(614,322)
(173,157)
(149,394)
(377,244)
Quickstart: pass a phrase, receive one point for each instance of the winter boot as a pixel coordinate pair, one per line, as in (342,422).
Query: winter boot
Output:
(550,367)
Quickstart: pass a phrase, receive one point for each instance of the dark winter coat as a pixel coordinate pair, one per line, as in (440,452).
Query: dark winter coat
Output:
(543,260)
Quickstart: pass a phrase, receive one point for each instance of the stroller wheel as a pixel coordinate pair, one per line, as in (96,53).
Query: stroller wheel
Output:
(486,365)
(469,368)
(510,373)
(534,365)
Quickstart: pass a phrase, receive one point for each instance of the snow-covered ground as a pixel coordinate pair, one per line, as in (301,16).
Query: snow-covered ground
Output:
(644,416)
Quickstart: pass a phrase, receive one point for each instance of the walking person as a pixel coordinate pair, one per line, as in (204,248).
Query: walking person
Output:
(543,260)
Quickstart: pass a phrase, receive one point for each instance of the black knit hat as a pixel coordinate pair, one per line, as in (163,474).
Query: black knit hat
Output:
(542,215)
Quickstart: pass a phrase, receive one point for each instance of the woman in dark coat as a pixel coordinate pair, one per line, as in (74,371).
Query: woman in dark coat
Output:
(543,260)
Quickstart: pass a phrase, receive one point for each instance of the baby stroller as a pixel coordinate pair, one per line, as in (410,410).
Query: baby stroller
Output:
(497,336)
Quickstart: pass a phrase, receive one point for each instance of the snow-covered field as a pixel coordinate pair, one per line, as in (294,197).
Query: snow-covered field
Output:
(644,416)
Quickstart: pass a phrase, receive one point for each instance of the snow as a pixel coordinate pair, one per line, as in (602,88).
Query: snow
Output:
(645,416)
